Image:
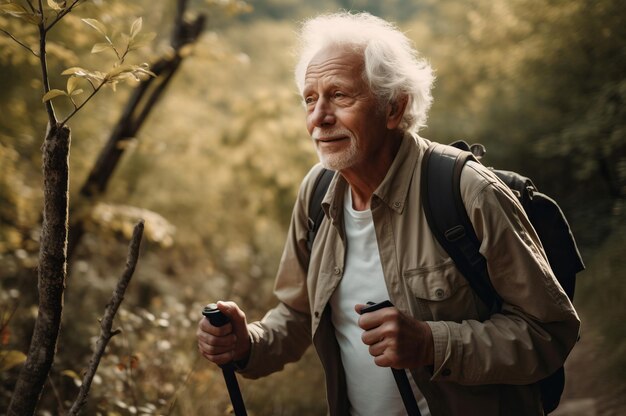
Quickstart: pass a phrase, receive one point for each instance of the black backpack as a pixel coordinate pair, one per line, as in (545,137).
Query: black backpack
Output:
(449,222)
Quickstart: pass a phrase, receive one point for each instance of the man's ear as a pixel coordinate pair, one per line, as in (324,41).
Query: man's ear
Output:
(395,111)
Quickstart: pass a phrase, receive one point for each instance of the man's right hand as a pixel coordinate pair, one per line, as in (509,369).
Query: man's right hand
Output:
(227,343)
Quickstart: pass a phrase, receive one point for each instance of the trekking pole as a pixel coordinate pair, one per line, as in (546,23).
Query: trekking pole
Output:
(402,381)
(217,318)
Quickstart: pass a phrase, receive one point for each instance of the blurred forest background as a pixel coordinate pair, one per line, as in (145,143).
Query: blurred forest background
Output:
(215,169)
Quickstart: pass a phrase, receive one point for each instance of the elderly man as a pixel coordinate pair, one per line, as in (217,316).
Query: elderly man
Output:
(366,95)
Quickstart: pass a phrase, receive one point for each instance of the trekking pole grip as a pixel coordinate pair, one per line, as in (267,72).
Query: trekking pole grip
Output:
(218,318)
(214,315)
(400,377)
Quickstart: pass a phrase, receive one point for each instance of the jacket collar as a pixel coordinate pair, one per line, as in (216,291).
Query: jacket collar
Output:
(394,188)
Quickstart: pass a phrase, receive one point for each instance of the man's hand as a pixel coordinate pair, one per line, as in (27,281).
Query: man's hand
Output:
(227,343)
(396,340)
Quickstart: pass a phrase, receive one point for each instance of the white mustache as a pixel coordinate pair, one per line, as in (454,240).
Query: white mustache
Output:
(335,132)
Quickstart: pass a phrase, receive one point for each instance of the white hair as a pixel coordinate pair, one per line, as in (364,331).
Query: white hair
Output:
(392,66)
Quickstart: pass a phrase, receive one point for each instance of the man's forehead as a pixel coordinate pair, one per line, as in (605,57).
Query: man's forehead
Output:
(335,58)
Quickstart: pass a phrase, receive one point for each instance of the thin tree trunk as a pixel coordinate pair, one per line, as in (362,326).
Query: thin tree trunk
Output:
(52,272)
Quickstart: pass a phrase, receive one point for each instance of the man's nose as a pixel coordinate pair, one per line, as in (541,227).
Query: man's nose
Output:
(323,114)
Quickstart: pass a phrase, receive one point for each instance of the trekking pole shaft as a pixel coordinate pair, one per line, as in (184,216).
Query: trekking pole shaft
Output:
(217,318)
(402,381)
(233,390)
(406,392)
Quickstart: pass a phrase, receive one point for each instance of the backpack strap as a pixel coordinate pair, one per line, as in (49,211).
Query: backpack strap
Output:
(445,214)
(448,219)
(316,213)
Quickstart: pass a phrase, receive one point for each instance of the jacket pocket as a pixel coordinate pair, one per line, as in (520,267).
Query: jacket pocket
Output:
(443,291)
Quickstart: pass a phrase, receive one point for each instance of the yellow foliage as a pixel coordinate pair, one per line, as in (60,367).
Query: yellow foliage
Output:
(71,374)
(10,359)
(215,169)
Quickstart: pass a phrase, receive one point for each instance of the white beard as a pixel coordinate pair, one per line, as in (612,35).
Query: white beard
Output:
(338,160)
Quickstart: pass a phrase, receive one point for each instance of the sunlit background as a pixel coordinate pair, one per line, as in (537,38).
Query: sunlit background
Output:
(215,168)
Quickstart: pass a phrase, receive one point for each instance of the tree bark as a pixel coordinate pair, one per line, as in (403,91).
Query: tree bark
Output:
(51,273)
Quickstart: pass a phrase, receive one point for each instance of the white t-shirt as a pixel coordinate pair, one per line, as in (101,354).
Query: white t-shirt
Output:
(371,389)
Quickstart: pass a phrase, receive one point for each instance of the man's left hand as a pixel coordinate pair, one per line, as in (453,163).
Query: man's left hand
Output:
(395,339)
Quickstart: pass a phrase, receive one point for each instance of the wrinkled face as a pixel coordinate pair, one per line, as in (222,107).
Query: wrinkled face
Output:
(343,116)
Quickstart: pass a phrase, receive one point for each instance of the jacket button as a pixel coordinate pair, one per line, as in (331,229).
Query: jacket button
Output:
(317,314)
(439,293)
(337,270)
(397,204)
(446,372)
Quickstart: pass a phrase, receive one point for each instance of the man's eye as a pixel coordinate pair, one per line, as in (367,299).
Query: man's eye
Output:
(338,94)
(309,100)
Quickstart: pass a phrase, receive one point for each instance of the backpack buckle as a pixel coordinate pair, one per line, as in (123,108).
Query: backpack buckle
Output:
(455,233)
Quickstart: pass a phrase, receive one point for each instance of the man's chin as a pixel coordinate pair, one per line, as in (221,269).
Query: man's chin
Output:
(335,162)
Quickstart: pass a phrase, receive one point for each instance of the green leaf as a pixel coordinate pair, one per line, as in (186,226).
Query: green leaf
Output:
(75,70)
(71,374)
(52,94)
(141,40)
(136,27)
(13,9)
(146,73)
(72,83)
(125,39)
(10,359)
(119,70)
(16,10)
(99,47)
(54,5)
(127,72)
(96,76)
(96,24)
(145,68)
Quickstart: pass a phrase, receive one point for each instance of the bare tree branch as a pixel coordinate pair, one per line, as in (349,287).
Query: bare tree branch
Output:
(30,6)
(52,119)
(77,108)
(56,394)
(138,107)
(61,15)
(6,314)
(107,321)
(25,46)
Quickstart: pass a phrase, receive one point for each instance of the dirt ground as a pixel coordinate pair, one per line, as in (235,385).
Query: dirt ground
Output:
(588,389)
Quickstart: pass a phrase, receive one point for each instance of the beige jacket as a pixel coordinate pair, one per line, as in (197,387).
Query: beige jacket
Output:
(484,365)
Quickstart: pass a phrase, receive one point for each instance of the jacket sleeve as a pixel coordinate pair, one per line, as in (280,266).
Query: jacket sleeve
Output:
(281,337)
(537,326)
(284,334)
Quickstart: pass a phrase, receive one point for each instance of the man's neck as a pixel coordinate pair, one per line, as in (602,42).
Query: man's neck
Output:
(365,176)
